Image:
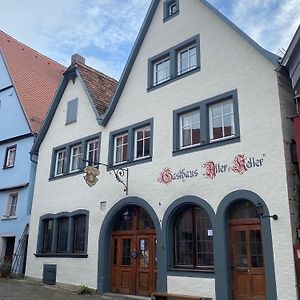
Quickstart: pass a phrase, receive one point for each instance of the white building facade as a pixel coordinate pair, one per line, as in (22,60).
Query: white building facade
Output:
(198,124)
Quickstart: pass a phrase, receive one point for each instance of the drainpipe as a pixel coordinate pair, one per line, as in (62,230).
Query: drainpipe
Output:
(296,121)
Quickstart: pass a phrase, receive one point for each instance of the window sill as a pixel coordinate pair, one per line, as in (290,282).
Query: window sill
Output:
(154,87)
(200,273)
(7,167)
(171,16)
(62,255)
(130,163)
(66,175)
(204,146)
(6,218)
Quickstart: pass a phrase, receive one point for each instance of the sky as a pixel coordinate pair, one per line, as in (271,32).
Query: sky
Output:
(104,31)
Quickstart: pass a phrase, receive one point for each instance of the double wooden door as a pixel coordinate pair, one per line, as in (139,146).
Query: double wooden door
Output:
(248,272)
(133,263)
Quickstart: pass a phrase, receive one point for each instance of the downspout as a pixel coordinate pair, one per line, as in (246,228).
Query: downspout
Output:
(296,121)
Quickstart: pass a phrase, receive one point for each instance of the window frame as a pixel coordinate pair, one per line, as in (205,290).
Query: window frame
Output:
(204,106)
(71,116)
(143,141)
(7,214)
(155,64)
(122,147)
(77,157)
(68,161)
(96,153)
(179,53)
(54,251)
(57,160)
(130,130)
(7,156)
(167,15)
(172,54)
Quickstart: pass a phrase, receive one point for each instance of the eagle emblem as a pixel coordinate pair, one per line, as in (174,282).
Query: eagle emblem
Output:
(91,175)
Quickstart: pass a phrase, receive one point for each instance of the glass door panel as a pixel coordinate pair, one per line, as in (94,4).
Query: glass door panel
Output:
(256,249)
(144,253)
(126,252)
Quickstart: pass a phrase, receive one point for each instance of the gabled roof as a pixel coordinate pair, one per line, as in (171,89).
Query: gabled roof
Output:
(99,89)
(34,76)
(103,120)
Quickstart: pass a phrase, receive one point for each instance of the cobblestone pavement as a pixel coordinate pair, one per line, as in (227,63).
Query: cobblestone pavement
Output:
(20,289)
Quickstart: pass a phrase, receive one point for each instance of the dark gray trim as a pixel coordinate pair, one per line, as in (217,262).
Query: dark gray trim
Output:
(16,138)
(19,186)
(72,110)
(274,59)
(168,235)
(167,4)
(103,120)
(6,88)
(68,75)
(68,146)
(223,282)
(103,281)
(172,54)
(55,217)
(130,130)
(203,106)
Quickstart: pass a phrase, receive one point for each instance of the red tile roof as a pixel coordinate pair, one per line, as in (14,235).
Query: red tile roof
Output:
(100,87)
(35,78)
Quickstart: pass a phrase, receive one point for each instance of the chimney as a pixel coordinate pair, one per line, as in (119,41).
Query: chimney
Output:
(76,58)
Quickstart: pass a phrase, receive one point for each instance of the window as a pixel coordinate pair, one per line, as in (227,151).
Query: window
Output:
(72,108)
(187,59)
(121,148)
(193,239)
(62,239)
(161,71)
(208,123)
(221,120)
(171,9)
(79,233)
(75,158)
(174,63)
(11,205)
(63,234)
(92,154)
(71,158)
(60,162)
(47,241)
(190,128)
(10,157)
(132,144)
(142,142)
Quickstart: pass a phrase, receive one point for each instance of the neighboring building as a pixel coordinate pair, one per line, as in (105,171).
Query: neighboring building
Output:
(28,81)
(291,64)
(199,124)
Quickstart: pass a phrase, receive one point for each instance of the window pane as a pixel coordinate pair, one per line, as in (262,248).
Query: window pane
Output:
(62,239)
(196,134)
(186,134)
(79,234)
(216,111)
(244,210)
(139,149)
(184,239)
(126,251)
(204,240)
(256,249)
(147,147)
(227,108)
(13,205)
(124,220)
(241,249)
(217,128)
(228,125)
(143,254)
(47,241)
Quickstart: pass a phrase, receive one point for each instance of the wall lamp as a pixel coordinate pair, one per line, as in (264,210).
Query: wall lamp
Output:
(260,210)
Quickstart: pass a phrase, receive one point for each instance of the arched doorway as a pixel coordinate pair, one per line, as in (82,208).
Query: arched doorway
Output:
(133,254)
(246,248)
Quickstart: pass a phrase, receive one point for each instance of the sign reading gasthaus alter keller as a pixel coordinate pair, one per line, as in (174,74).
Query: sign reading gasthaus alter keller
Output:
(211,169)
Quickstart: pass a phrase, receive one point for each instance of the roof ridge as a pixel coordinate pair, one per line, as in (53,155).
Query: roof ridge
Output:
(31,49)
(97,72)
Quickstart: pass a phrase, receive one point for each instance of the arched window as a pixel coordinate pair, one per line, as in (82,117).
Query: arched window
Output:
(193,239)
(243,210)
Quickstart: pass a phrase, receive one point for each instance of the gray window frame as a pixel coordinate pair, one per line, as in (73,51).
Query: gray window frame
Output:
(72,110)
(172,54)
(68,147)
(167,5)
(131,140)
(70,246)
(203,106)
(5,166)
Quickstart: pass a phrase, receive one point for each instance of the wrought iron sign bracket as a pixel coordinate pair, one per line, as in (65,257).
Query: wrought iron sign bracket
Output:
(121,174)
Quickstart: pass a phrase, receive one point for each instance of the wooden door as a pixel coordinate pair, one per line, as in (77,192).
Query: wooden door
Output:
(247,260)
(133,264)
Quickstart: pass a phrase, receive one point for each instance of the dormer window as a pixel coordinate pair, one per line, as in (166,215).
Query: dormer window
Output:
(171,9)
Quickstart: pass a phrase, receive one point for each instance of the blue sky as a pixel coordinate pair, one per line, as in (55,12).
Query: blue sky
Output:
(103,31)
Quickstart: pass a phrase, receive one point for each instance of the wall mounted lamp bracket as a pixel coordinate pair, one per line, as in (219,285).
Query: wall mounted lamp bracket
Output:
(260,210)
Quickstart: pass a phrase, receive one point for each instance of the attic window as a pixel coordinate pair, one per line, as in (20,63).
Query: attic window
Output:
(171,9)
(72,108)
